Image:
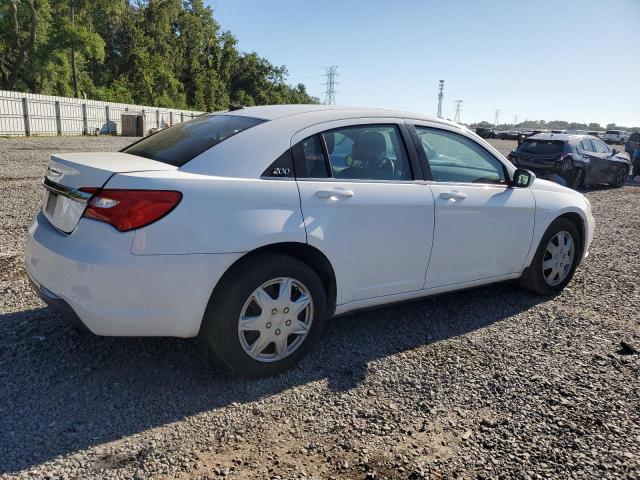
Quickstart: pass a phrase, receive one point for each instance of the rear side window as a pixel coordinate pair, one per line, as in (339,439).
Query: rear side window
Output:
(542,147)
(183,142)
(367,152)
(310,159)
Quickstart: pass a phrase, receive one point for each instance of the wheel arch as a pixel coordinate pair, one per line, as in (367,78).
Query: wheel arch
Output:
(580,225)
(304,252)
(575,215)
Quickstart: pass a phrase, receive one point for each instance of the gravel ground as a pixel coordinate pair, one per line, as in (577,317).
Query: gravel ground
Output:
(487,383)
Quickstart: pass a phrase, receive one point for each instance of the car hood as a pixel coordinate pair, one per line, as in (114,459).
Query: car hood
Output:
(541,185)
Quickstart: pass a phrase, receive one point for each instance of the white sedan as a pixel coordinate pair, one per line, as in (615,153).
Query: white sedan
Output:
(250,228)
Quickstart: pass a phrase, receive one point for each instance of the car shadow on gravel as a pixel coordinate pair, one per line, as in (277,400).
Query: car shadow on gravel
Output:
(63,391)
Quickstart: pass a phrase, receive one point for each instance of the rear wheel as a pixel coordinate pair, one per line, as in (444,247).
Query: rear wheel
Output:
(266,315)
(577,179)
(621,177)
(556,259)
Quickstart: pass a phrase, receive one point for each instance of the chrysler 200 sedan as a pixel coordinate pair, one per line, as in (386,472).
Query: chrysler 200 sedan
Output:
(250,228)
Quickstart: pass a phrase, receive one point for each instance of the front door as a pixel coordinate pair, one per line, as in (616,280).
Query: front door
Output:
(483,228)
(362,207)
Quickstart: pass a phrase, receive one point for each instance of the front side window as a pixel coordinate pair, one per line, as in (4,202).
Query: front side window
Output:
(455,158)
(185,141)
(599,146)
(585,146)
(367,152)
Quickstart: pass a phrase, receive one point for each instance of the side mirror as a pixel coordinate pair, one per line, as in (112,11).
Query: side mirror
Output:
(522,178)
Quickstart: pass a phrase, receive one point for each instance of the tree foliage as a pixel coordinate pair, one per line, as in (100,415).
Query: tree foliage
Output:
(169,53)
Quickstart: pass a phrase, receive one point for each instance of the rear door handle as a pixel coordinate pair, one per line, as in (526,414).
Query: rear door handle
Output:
(453,195)
(334,194)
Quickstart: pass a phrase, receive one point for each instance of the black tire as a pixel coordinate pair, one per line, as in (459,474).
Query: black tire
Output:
(621,177)
(220,323)
(533,278)
(577,179)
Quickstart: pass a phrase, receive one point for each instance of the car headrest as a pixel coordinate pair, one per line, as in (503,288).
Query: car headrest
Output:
(369,146)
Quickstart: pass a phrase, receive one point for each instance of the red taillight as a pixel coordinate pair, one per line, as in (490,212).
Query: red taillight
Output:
(130,209)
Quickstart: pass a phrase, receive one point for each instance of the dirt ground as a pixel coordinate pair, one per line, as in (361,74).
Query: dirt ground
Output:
(487,383)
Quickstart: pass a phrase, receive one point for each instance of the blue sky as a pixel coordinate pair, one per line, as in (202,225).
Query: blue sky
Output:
(575,60)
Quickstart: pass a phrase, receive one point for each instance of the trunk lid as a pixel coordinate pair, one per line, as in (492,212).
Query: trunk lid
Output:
(64,202)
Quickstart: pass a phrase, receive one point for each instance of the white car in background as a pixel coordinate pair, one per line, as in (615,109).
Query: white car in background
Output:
(250,228)
(616,136)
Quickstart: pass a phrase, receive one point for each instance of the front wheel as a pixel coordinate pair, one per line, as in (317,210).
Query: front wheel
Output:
(556,259)
(577,179)
(621,177)
(266,315)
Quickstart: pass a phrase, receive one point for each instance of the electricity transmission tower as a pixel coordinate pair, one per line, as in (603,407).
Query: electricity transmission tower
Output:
(515,119)
(497,117)
(456,117)
(331,73)
(440,97)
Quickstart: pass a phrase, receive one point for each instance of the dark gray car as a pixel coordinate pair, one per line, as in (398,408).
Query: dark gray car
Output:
(575,160)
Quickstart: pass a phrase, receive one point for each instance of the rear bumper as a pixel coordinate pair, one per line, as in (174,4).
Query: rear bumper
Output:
(57,305)
(92,277)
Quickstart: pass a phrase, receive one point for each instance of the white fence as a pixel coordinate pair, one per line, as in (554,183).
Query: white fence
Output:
(30,114)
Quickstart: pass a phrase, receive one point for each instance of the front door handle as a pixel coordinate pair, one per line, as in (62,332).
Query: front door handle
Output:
(335,194)
(453,195)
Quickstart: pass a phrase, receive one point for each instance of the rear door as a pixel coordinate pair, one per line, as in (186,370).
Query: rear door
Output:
(590,159)
(365,206)
(483,228)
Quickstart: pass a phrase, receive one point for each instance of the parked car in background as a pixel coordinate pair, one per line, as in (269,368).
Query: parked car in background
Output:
(486,132)
(250,228)
(577,159)
(507,135)
(594,134)
(630,147)
(616,136)
(573,131)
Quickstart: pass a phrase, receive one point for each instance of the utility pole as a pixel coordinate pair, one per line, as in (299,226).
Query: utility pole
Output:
(456,117)
(440,97)
(74,68)
(497,117)
(331,73)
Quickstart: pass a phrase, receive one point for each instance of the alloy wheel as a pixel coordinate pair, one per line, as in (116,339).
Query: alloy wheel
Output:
(275,319)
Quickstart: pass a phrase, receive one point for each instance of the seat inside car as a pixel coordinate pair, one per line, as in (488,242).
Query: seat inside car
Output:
(368,158)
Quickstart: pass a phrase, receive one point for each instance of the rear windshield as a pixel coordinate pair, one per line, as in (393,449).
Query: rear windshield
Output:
(542,146)
(613,132)
(185,141)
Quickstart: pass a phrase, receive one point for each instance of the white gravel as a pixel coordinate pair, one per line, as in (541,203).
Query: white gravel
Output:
(487,383)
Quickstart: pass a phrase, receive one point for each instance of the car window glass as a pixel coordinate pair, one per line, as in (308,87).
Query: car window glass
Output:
(541,146)
(585,145)
(599,146)
(311,152)
(455,158)
(367,152)
(183,142)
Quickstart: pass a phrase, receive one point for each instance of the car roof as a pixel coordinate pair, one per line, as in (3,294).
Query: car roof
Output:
(559,136)
(308,111)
